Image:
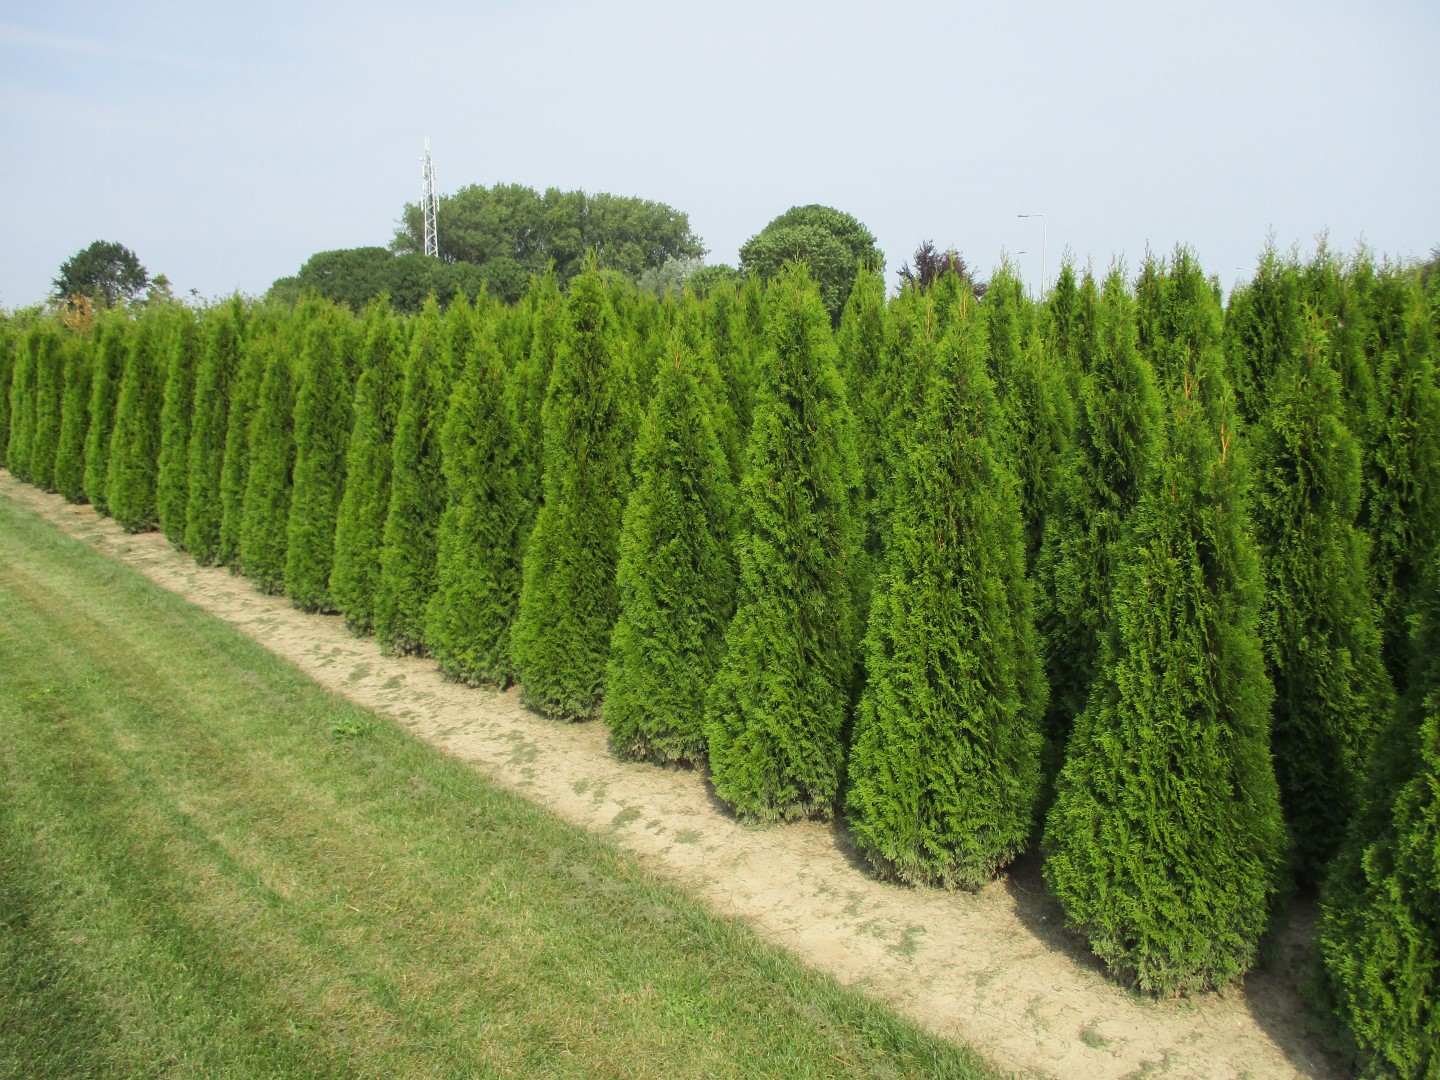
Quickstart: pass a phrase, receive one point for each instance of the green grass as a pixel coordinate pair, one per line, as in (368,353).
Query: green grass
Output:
(209,866)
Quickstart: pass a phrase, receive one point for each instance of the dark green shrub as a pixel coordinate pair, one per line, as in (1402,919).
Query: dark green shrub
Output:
(133,461)
(268,479)
(235,466)
(172,483)
(49,375)
(114,345)
(9,346)
(222,334)
(74,420)
(778,706)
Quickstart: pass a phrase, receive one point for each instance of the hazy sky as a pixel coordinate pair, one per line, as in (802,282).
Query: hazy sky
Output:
(225,144)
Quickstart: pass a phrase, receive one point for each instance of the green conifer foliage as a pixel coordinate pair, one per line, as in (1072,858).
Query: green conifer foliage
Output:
(861,344)
(945,764)
(172,484)
(9,346)
(1165,839)
(530,380)
(222,333)
(729,346)
(257,344)
(49,400)
(1119,423)
(1263,326)
(360,522)
(133,462)
(323,419)
(104,389)
(1332,691)
(417,491)
(482,528)
(1379,935)
(676,573)
(778,706)
(1402,470)
(74,420)
(22,404)
(568,598)
(268,480)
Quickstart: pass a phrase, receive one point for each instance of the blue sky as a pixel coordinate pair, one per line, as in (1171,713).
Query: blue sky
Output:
(225,144)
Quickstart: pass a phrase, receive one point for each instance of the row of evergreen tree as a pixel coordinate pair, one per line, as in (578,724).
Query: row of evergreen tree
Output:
(1146,578)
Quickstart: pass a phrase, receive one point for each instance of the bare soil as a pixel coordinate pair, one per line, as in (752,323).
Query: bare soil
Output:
(993,969)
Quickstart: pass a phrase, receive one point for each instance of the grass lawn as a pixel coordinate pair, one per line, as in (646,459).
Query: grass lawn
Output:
(210,866)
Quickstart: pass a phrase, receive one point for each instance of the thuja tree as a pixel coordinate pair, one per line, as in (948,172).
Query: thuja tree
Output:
(133,461)
(861,346)
(360,521)
(172,484)
(323,419)
(22,405)
(778,705)
(49,399)
(104,389)
(482,529)
(945,764)
(1401,504)
(568,598)
(1165,839)
(1332,691)
(530,379)
(257,343)
(222,332)
(417,490)
(728,343)
(74,420)
(9,345)
(1118,424)
(676,573)
(1379,935)
(1263,325)
(266,507)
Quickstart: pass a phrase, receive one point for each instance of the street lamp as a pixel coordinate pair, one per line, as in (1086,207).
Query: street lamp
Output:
(1044,225)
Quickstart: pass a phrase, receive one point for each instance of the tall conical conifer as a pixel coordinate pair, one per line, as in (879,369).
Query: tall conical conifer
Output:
(258,343)
(104,389)
(22,404)
(778,707)
(1332,691)
(417,490)
(360,522)
(861,344)
(482,528)
(133,462)
(945,764)
(222,331)
(1165,840)
(729,346)
(568,598)
(530,381)
(9,346)
(323,419)
(268,480)
(49,401)
(676,573)
(1379,934)
(172,484)
(74,420)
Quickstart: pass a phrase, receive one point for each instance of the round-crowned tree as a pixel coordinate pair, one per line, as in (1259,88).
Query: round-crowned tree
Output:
(778,706)
(833,244)
(945,764)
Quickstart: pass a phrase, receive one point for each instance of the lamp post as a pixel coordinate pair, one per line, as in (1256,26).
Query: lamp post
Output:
(1044,226)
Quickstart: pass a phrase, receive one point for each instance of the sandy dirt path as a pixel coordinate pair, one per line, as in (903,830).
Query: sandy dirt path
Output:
(992,969)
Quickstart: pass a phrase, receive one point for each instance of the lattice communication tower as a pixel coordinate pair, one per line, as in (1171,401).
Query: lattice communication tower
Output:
(429,202)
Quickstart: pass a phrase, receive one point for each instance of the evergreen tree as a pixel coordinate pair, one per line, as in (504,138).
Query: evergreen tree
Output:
(568,597)
(104,389)
(728,345)
(1379,935)
(235,466)
(530,380)
(133,460)
(74,420)
(9,346)
(172,484)
(676,574)
(1263,327)
(1165,839)
(861,345)
(360,522)
(417,491)
(482,528)
(944,768)
(1119,418)
(1332,690)
(22,404)
(223,331)
(778,706)
(49,399)
(268,479)
(323,420)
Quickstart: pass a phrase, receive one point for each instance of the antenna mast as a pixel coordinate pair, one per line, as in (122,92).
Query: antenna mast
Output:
(429,203)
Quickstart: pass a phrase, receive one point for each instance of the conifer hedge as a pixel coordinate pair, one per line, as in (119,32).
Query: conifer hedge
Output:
(778,706)
(676,573)
(132,463)
(945,766)
(235,467)
(74,420)
(49,392)
(568,597)
(268,479)
(220,362)
(172,484)
(114,337)
(22,405)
